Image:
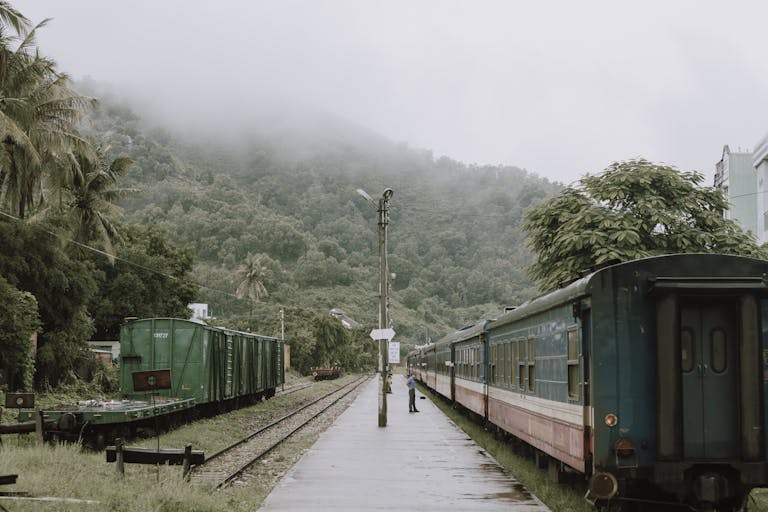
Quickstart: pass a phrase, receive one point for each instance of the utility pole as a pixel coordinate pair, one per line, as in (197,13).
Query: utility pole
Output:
(384,328)
(282,337)
(383,303)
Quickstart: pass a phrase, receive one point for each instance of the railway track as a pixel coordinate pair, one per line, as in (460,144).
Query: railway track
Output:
(293,389)
(223,467)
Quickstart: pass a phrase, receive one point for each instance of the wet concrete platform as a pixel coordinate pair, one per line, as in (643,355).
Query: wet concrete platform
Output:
(419,461)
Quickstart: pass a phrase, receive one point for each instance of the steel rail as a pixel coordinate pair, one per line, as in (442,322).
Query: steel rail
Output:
(253,434)
(202,467)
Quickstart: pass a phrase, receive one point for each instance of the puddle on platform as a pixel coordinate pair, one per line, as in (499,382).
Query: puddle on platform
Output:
(517,494)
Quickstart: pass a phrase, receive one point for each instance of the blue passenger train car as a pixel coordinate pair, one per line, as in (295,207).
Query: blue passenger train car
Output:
(648,377)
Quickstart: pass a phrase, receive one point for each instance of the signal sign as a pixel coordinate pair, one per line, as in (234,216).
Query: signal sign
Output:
(382,334)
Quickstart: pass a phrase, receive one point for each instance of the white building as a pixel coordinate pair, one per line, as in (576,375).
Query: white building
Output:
(199,311)
(112,346)
(735,176)
(760,162)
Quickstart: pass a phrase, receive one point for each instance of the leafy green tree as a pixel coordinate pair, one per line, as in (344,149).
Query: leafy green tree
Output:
(633,209)
(152,278)
(332,341)
(315,269)
(32,260)
(17,325)
(302,352)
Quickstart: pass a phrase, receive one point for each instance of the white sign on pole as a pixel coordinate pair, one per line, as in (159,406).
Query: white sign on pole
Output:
(382,334)
(394,352)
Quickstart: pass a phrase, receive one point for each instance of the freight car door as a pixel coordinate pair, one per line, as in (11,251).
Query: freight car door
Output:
(709,348)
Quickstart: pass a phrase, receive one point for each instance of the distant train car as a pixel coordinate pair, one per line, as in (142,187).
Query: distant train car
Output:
(649,377)
(469,368)
(450,375)
(211,370)
(333,372)
(413,363)
(428,375)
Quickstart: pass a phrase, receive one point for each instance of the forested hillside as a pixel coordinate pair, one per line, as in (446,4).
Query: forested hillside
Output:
(288,198)
(108,211)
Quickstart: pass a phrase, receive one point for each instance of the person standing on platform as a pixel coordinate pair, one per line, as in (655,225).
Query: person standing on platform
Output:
(411,394)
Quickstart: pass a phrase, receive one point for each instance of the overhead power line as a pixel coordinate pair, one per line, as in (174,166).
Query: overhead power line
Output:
(118,258)
(144,267)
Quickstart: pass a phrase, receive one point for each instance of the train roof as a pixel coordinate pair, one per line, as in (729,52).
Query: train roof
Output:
(691,267)
(203,325)
(465,333)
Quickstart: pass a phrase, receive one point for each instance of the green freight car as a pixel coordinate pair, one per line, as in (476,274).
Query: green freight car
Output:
(211,370)
(214,366)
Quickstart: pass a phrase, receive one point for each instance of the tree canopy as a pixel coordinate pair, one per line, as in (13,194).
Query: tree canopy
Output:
(633,209)
(68,162)
(58,193)
(17,325)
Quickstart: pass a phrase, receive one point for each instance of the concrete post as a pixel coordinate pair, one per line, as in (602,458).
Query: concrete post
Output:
(383,300)
(187,461)
(119,457)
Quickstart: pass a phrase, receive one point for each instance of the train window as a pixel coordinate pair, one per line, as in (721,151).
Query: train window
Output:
(494,364)
(573,344)
(573,363)
(496,372)
(719,355)
(507,355)
(501,361)
(686,350)
(531,364)
(531,376)
(500,358)
(512,362)
(500,364)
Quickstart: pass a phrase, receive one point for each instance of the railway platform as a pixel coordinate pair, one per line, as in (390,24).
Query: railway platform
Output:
(419,461)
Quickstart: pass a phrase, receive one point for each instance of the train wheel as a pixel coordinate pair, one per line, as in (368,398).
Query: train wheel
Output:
(122,432)
(99,440)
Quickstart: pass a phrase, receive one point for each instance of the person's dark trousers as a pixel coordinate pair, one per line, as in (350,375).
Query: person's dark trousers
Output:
(412,400)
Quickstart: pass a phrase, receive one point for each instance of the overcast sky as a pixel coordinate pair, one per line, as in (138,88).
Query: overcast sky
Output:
(559,88)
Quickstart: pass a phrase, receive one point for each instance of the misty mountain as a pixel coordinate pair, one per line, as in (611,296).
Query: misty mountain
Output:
(284,187)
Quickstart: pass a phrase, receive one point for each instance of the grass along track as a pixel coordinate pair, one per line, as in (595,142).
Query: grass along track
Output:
(67,471)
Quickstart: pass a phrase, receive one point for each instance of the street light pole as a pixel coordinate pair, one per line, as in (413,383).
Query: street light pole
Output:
(383,298)
(383,302)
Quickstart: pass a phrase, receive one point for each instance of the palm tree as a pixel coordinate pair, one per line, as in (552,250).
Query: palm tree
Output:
(91,192)
(252,275)
(39,114)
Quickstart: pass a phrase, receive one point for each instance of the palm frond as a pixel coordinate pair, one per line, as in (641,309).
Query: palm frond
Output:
(13,18)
